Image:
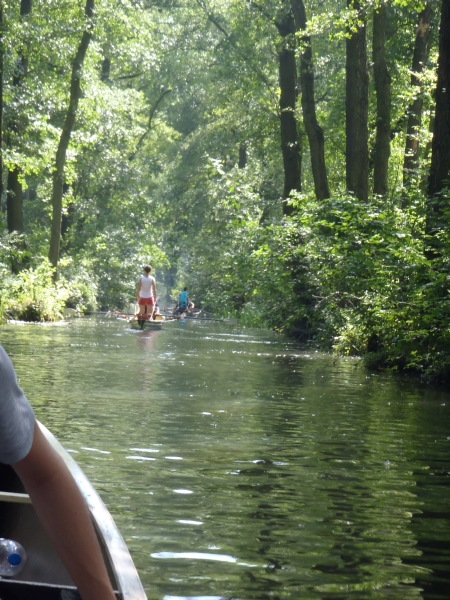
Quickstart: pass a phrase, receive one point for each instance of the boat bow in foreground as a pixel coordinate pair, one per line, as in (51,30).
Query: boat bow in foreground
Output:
(44,577)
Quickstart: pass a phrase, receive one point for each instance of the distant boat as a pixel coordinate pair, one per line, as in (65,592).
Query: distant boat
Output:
(201,315)
(161,321)
(44,576)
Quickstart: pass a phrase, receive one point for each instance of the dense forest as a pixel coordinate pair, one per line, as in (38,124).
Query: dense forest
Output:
(289,161)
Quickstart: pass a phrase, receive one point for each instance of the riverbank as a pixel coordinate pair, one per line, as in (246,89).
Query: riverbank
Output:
(425,355)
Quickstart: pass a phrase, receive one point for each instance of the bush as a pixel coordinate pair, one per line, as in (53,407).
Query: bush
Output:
(365,282)
(81,285)
(31,295)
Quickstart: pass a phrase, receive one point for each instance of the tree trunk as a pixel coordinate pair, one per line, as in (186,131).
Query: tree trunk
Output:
(2,62)
(312,127)
(14,185)
(14,212)
(14,201)
(106,70)
(411,161)
(356,108)
(383,91)
(67,217)
(440,152)
(60,161)
(290,146)
(242,155)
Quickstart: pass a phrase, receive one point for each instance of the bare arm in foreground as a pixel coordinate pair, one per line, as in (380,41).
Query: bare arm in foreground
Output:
(65,516)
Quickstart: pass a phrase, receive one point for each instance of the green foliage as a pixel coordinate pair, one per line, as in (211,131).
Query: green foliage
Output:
(32,296)
(215,264)
(174,96)
(363,280)
(81,284)
(118,259)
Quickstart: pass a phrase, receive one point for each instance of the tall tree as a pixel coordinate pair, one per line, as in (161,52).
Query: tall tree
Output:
(290,145)
(312,127)
(383,91)
(60,161)
(420,56)
(440,157)
(357,105)
(2,66)
(14,184)
(242,162)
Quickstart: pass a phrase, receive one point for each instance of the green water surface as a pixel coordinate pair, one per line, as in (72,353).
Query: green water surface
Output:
(240,465)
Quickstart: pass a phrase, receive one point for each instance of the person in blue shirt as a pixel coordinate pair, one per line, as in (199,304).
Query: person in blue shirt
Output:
(183,299)
(184,304)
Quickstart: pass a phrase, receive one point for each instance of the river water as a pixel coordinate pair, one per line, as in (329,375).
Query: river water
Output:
(240,465)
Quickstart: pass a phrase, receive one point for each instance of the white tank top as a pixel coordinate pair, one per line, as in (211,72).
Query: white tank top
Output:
(146,287)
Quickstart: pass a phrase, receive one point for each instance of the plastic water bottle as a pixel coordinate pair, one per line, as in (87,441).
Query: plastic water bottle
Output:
(12,558)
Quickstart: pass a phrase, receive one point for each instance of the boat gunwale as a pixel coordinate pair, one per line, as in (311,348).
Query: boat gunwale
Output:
(122,565)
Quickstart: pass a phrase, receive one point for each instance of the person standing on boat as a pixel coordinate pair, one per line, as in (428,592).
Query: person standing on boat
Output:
(51,487)
(146,294)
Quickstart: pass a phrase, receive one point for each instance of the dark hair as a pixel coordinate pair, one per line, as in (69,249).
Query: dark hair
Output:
(185,289)
(147,269)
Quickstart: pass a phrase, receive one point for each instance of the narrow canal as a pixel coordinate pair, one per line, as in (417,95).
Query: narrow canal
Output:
(239,465)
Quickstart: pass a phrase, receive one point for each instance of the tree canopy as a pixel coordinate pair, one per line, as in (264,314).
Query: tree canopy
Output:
(287,160)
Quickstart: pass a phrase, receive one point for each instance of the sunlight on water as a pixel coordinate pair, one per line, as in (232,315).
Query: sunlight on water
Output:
(195,556)
(240,465)
(194,598)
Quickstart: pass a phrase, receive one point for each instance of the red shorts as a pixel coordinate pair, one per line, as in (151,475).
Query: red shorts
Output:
(146,301)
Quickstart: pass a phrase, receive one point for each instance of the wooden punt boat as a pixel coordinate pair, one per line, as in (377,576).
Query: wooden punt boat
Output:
(150,324)
(44,577)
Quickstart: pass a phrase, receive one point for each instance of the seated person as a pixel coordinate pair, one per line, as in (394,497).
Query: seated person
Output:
(157,316)
(184,303)
(183,300)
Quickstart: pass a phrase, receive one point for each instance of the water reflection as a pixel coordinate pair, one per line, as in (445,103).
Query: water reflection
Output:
(195,556)
(239,466)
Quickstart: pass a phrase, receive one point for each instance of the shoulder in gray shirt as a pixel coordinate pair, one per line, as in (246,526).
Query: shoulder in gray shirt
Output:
(16,415)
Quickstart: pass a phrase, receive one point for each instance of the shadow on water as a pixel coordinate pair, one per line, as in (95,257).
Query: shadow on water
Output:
(240,465)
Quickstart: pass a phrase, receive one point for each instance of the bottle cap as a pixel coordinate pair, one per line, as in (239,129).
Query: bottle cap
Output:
(14,559)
